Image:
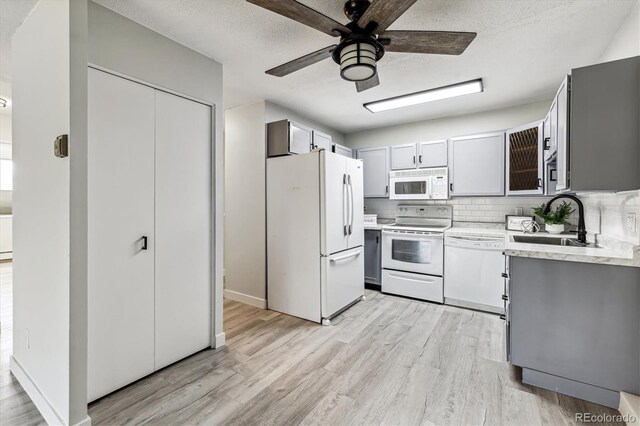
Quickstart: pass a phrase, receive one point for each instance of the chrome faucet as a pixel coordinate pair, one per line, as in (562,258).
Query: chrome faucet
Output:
(582,230)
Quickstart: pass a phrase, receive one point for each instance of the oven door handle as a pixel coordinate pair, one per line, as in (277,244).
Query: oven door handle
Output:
(433,236)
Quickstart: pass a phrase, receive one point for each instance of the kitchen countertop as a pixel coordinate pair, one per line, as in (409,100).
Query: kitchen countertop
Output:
(378,226)
(610,252)
(622,254)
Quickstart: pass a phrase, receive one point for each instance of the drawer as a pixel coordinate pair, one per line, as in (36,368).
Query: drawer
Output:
(418,286)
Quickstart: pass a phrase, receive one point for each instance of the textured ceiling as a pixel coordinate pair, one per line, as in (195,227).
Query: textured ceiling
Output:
(522,50)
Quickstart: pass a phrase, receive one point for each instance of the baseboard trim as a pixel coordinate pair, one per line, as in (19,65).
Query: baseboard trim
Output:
(85,422)
(43,405)
(220,341)
(245,298)
(630,408)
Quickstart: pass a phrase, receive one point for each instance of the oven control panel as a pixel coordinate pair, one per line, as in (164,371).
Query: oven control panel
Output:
(436,212)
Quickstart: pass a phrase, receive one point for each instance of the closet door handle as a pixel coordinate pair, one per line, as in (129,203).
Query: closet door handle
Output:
(144,242)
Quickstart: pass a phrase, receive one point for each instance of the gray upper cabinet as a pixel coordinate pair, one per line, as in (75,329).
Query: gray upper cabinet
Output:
(322,141)
(432,153)
(599,136)
(403,157)
(560,142)
(525,155)
(476,165)
(285,137)
(376,162)
(546,135)
(342,150)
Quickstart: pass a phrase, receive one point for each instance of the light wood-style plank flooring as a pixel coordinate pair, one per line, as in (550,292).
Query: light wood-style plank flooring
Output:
(387,360)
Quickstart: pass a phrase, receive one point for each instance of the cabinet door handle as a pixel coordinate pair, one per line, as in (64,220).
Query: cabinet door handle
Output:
(387,190)
(539,183)
(420,159)
(451,187)
(505,297)
(377,239)
(547,145)
(414,159)
(504,275)
(503,317)
(144,242)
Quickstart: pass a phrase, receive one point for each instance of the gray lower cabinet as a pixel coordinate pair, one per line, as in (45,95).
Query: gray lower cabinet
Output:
(372,257)
(574,327)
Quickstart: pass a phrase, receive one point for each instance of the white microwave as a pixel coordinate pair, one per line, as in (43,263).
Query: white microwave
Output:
(419,184)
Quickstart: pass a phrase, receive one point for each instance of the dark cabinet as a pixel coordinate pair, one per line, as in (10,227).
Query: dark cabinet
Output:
(372,257)
(525,152)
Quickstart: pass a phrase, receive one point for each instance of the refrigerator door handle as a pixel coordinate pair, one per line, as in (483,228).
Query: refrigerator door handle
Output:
(350,205)
(346,256)
(344,202)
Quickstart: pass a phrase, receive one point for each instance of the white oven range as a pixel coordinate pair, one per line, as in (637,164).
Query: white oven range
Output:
(413,252)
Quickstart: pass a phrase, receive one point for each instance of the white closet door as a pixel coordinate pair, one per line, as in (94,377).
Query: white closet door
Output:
(120,197)
(183,228)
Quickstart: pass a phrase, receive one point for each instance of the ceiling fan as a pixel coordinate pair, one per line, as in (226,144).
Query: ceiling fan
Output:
(364,40)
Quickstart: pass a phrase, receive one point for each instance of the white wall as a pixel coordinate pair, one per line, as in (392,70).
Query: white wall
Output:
(449,127)
(5,127)
(245,202)
(5,143)
(626,41)
(275,112)
(49,352)
(121,45)
(245,221)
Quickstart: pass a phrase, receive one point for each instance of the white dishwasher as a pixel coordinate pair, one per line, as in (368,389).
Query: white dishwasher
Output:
(473,267)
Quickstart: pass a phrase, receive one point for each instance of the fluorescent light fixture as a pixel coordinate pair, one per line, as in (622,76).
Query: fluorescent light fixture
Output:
(458,89)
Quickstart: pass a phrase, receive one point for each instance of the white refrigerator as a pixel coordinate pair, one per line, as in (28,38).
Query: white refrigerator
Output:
(315,234)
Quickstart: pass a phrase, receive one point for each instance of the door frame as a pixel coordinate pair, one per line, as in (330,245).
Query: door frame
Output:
(218,340)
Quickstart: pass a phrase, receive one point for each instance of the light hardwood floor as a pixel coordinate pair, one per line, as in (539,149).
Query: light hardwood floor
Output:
(387,360)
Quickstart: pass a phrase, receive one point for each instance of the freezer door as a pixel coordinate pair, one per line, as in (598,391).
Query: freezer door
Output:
(356,202)
(334,210)
(342,280)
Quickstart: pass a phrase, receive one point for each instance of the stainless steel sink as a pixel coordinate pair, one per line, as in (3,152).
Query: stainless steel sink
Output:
(550,241)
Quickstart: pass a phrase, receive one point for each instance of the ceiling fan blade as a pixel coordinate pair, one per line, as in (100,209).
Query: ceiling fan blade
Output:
(368,83)
(303,14)
(384,13)
(301,62)
(436,42)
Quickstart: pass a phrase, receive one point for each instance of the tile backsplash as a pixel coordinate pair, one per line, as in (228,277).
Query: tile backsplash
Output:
(484,209)
(605,213)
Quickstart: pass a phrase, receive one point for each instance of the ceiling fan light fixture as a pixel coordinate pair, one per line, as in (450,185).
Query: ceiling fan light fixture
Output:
(439,93)
(358,61)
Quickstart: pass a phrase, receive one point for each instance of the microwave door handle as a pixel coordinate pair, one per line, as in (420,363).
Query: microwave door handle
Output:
(430,183)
